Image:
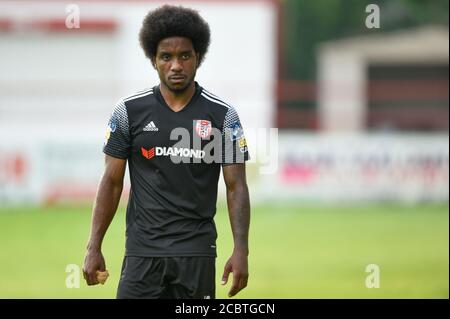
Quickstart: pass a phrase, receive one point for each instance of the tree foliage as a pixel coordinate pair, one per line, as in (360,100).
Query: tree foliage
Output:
(309,22)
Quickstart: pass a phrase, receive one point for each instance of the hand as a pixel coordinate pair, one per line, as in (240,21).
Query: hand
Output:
(93,262)
(238,265)
(102,276)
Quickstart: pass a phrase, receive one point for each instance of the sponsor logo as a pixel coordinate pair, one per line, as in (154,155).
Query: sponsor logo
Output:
(203,128)
(150,127)
(112,124)
(111,128)
(236,131)
(242,142)
(171,151)
(242,145)
(107,135)
(148,153)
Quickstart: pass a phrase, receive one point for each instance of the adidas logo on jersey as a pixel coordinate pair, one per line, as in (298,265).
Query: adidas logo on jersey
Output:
(151,127)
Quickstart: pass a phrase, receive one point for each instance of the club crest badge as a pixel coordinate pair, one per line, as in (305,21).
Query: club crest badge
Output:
(203,128)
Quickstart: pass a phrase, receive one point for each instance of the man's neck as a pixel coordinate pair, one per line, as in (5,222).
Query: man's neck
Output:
(177,101)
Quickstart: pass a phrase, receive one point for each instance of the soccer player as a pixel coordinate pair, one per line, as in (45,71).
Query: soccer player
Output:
(176,137)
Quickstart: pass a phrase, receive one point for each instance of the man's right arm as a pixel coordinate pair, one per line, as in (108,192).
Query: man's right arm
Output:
(105,206)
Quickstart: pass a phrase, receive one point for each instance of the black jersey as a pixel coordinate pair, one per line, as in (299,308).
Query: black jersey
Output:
(174,161)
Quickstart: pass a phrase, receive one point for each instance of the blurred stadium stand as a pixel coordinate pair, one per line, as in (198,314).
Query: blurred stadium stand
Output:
(396,82)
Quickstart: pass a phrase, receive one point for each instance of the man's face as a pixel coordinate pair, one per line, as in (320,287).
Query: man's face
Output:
(176,63)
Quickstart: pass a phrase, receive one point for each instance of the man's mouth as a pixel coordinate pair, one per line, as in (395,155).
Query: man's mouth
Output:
(177,77)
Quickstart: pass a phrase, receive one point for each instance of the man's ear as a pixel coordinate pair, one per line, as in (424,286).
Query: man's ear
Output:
(198,59)
(153,61)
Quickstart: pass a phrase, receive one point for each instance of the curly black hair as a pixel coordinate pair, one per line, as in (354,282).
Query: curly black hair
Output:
(172,21)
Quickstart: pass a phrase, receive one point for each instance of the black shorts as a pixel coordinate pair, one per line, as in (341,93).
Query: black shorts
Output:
(167,278)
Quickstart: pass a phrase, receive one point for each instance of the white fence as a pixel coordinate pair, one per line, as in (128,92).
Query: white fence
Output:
(57,165)
(333,167)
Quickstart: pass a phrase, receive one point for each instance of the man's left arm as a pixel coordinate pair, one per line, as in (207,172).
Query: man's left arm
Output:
(239,212)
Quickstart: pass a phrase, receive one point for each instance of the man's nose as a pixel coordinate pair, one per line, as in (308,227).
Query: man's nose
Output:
(176,65)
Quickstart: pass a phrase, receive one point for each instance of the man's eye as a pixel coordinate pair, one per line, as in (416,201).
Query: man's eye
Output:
(166,57)
(186,56)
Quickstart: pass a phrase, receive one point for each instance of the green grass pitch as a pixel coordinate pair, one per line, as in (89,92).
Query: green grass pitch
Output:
(295,251)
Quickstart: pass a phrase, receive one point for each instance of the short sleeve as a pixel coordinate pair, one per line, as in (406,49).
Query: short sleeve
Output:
(234,144)
(117,139)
